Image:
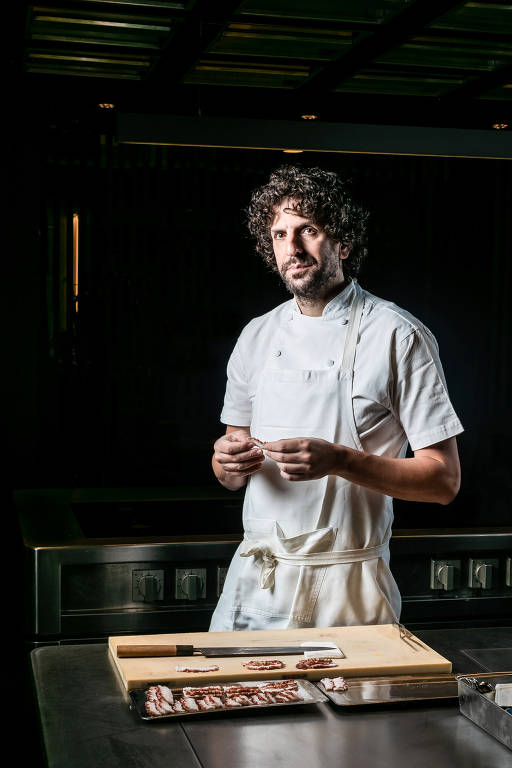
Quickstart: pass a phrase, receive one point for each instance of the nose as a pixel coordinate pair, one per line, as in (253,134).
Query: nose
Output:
(293,245)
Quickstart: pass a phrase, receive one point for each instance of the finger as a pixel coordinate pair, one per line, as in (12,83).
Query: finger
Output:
(241,466)
(290,445)
(225,458)
(240,450)
(282,458)
(293,469)
(246,472)
(233,448)
(293,478)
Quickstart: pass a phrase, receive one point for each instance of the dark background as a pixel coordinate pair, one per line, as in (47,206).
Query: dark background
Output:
(128,392)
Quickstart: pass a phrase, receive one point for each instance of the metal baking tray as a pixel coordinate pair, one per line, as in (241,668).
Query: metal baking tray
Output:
(365,691)
(310,693)
(476,702)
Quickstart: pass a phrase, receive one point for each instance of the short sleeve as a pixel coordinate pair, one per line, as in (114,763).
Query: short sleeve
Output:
(420,397)
(237,410)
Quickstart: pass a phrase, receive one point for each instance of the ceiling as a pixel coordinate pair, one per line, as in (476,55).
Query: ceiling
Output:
(422,62)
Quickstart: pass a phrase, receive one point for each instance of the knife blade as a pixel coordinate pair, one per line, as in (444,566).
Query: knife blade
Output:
(148,651)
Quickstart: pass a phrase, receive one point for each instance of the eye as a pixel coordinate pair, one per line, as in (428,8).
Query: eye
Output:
(278,235)
(309,230)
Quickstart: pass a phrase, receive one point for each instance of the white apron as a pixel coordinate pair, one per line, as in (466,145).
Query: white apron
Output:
(315,553)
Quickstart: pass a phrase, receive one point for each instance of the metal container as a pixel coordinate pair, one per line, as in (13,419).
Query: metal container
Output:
(476,702)
(368,691)
(309,692)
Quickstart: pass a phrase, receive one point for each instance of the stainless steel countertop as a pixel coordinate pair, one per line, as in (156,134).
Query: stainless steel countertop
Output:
(86,723)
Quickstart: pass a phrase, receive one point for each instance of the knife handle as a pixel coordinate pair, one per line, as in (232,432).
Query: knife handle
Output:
(148,651)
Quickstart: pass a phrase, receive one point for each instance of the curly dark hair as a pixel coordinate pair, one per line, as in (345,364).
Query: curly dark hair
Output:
(321,195)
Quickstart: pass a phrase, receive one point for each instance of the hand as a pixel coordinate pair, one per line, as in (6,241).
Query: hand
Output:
(304,458)
(237,456)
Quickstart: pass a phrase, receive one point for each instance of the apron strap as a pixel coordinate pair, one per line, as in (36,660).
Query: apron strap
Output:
(356,311)
(268,560)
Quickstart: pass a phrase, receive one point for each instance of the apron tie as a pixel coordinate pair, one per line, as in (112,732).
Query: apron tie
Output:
(268,560)
(265,559)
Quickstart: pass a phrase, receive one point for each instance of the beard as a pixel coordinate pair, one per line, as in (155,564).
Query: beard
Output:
(314,284)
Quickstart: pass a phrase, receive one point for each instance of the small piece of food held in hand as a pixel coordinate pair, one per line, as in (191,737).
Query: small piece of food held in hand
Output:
(211,668)
(264,664)
(334,684)
(258,443)
(315,663)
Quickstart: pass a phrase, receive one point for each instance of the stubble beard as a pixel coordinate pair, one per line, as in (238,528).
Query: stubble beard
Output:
(314,285)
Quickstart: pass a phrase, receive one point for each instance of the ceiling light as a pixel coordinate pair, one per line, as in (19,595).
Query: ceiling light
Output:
(309,117)
(293,151)
(500,126)
(106,106)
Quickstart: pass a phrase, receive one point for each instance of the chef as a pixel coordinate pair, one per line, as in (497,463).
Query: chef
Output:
(336,382)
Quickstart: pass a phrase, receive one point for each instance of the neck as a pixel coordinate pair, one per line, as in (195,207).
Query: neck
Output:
(314,306)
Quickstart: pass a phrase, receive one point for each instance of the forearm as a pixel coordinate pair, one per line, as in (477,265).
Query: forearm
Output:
(422,478)
(227,479)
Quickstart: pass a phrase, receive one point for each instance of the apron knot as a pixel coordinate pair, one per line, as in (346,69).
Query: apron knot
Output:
(264,557)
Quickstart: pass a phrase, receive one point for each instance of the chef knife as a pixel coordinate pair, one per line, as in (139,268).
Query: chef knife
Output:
(139,651)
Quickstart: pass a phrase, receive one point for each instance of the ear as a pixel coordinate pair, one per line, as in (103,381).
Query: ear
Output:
(344,252)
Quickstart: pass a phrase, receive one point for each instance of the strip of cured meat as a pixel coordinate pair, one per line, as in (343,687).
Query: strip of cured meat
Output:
(231,702)
(281,697)
(211,668)
(243,699)
(315,663)
(204,704)
(268,697)
(292,684)
(264,664)
(189,704)
(157,702)
(258,699)
(151,709)
(334,684)
(165,693)
(212,690)
(215,700)
(234,690)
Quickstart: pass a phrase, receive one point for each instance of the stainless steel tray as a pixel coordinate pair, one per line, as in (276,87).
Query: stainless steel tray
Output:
(310,693)
(476,702)
(366,691)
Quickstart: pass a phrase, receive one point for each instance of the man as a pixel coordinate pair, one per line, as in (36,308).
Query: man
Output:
(335,382)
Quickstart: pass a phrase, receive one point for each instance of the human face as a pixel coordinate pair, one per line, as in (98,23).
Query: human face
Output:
(309,262)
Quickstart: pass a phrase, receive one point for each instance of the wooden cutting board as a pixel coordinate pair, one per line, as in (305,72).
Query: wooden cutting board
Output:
(369,651)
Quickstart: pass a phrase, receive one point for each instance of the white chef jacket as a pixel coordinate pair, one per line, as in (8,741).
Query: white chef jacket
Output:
(317,553)
(399,388)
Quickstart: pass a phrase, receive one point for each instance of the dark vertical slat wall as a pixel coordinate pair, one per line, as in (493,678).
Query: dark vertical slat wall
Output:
(130,390)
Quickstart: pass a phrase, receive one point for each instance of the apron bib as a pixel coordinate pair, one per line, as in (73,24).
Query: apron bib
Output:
(315,553)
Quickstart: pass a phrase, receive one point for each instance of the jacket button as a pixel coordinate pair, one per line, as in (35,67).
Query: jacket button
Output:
(278,352)
(330,362)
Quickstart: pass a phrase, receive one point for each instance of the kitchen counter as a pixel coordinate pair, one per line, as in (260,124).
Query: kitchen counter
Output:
(86,722)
